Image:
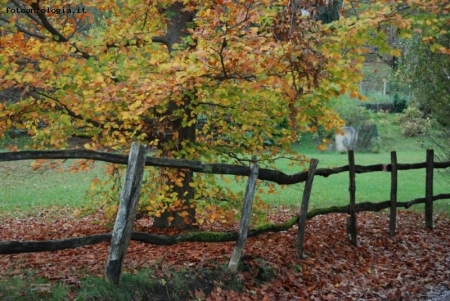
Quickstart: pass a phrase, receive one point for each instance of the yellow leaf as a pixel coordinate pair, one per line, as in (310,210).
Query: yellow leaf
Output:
(27,78)
(183,214)
(396,52)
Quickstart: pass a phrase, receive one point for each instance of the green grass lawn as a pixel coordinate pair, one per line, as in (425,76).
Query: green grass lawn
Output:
(23,190)
(370,187)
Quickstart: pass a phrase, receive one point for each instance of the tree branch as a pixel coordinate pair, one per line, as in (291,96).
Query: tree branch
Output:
(138,41)
(61,106)
(215,105)
(19,4)
(24,30)
(160,40)
(229,77)
(46,23)
(95,123)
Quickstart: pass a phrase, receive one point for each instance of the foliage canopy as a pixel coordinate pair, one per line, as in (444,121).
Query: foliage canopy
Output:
(217,80)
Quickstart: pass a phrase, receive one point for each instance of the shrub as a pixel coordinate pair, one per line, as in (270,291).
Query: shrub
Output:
(400,104)
(413,122)
(354,115)
(367,132)
(376,144)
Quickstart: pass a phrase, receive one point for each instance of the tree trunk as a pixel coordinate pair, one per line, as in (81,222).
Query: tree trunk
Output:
(172,218)
(178,21)
(329,12)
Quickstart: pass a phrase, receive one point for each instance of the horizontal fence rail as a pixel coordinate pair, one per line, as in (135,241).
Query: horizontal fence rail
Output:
(211,168)
(15,247)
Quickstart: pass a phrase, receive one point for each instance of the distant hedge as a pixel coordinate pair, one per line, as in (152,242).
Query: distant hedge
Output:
(398,106)
(389,107)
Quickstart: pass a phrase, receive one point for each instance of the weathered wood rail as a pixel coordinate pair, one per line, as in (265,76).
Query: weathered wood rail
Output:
(211,168)
(137,160)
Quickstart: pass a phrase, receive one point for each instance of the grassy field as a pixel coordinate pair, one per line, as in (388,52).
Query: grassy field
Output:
(373,187)
(369,186)
(24,190)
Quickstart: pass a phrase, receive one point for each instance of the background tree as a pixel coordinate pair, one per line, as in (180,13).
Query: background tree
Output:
(425,68)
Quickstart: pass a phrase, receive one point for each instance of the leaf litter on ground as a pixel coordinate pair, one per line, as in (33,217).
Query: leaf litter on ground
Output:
(406,267)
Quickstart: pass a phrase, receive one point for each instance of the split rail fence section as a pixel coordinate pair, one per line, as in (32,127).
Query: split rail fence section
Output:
(137,160)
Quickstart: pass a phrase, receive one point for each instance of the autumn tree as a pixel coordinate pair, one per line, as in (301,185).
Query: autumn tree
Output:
(210,80)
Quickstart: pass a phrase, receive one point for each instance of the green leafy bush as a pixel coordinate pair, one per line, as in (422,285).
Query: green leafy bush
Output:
(376,145)
(400,104)
(354,115)
(413,122)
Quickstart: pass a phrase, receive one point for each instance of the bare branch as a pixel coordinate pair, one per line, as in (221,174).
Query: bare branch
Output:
(229,77)
(242,161)
(215,105)
(222,59)
(160,40)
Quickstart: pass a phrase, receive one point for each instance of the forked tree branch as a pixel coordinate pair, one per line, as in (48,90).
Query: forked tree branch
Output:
(61,106)
(46,23)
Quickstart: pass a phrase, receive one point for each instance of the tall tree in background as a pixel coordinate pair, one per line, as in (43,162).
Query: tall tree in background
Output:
(425,68)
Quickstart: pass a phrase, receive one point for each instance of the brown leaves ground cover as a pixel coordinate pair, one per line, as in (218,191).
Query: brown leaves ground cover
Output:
(379,268)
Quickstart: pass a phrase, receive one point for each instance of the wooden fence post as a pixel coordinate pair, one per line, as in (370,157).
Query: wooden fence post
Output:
(393,213)
(245,218)
(351,220)
(304,207)
(429,189)
(126,214)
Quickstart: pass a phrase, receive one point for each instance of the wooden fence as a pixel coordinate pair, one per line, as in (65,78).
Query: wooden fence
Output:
(137,159)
